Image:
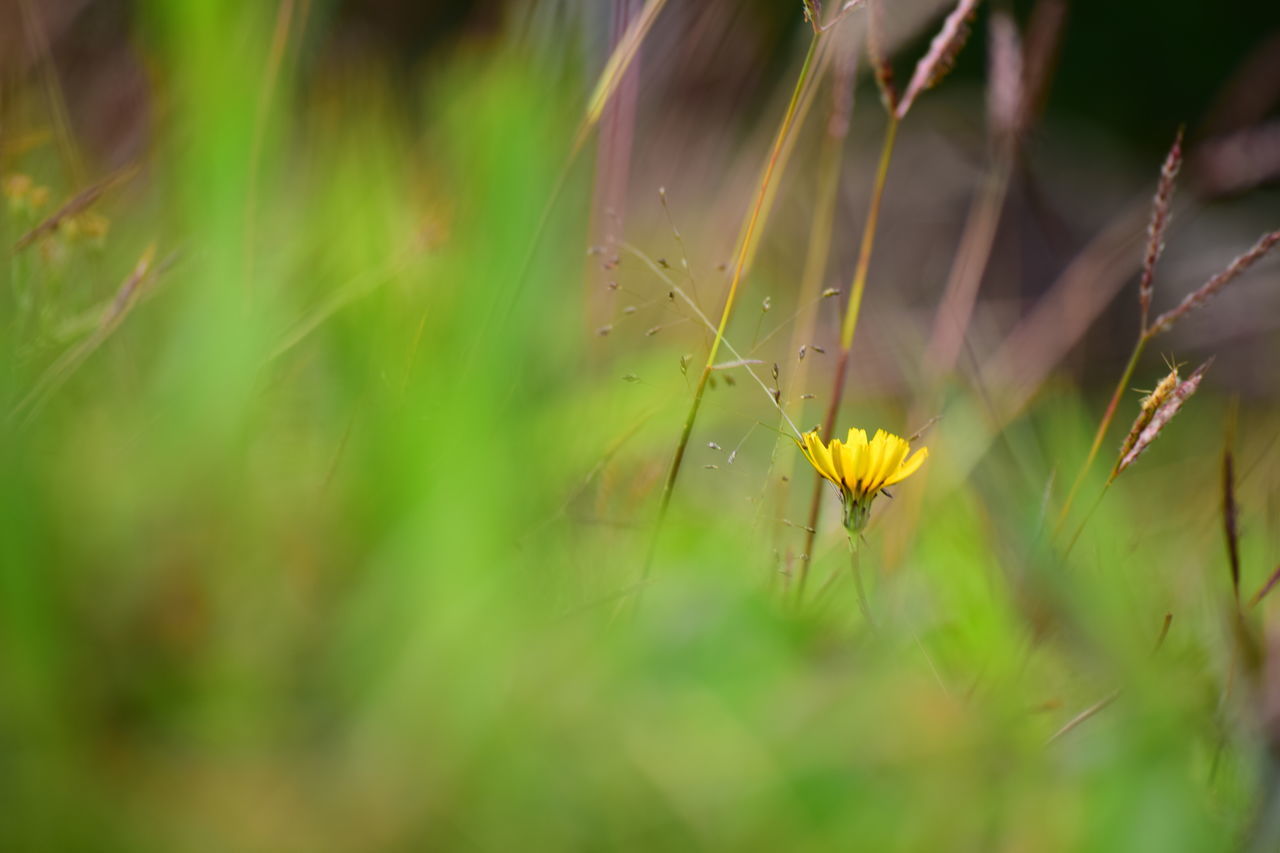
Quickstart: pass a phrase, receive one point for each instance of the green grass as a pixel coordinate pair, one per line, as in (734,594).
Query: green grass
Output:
(339,555)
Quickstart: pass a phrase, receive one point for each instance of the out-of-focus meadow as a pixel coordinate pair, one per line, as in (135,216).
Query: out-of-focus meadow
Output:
(346,348)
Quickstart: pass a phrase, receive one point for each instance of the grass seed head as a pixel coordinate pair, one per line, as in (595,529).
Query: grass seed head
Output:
(1149,405)
(1211,287)
(1140,438)
(880,64)
(941,58)
(1160,206)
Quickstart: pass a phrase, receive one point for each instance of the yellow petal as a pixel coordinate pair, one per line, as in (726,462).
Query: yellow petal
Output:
(839,458)
(848,464)
(818,455)
(858,467)
(896,450)
(909,467)
(875,455)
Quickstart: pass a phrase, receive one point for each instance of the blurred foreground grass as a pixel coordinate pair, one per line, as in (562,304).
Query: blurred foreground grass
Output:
(332,541)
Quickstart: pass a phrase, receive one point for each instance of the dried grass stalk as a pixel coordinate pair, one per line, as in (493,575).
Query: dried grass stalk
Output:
(1215,284)
(1160,205)
(1161,416)
(1005,77)
(1239,161)
(881,67)
(1266,587)
(112,316)
(78,203)
(1044,32)
(937,63)
(615,69)
(1230,517)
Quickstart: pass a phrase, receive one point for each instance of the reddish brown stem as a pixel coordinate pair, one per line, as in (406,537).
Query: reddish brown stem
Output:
(815,502)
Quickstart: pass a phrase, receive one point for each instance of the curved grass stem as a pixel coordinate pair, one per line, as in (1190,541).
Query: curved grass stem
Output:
(1103,426)
(745,248)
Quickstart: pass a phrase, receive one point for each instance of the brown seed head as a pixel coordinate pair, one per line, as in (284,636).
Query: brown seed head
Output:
(1150,404)
(1160,417)
(1160,205)
(944,48)
(1194,300)
(880,64)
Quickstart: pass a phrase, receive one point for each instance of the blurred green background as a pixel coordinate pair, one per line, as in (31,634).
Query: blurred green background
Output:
(337,395)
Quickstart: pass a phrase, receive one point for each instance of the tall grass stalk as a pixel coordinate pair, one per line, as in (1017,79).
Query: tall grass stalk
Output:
(1007,116)
(284,25)
(1107,416)
(848,329)
(1163,323)
(1160,209)
(1158,409)
(745,249)
(820,61)
(830,160)
(930,69)
(607,85)
(615,70)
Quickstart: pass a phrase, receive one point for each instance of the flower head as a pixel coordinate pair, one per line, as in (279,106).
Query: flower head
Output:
(860,469)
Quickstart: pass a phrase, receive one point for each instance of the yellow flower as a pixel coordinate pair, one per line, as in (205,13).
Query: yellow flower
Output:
(860,469)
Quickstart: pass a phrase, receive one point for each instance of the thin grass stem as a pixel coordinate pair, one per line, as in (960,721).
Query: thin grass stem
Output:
(1103,426)
(830,161)
(1097,502)
(847,331)
(855,565)
(750,235)
(854,309)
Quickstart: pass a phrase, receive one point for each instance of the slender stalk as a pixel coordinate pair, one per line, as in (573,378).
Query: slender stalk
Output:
(951,321)
(744,252)
(868,236)
(606,86)
(822,58)
(275,60)
(855,563)
(1107,417)
(615,69)
(830,161)
(847,331)
(1097,502)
